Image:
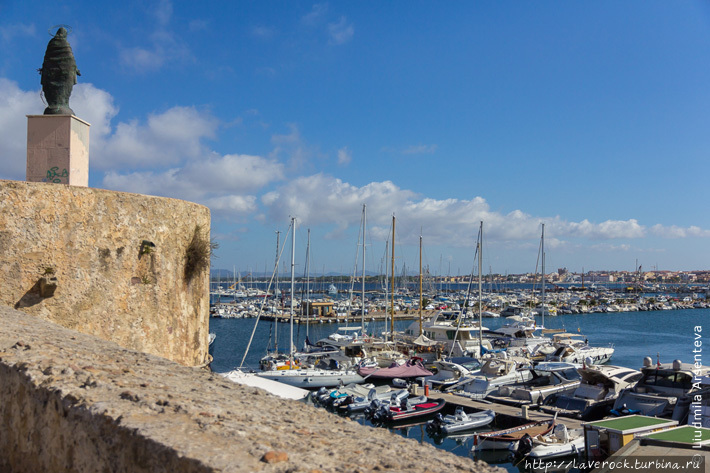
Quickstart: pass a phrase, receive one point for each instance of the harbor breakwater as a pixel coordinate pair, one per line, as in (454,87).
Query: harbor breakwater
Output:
(74,402)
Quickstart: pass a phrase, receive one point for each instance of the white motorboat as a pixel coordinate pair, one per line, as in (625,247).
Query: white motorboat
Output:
(460,421)
(595,396)
(381,393)
(447,373)
(560,442)
(519,331)
(548,379)
(335,396)
(458,333)
(665,390)
(494,373)
(571,349)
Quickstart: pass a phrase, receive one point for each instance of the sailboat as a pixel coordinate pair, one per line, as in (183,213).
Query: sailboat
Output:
(289,370)
(353,340)
(459,334)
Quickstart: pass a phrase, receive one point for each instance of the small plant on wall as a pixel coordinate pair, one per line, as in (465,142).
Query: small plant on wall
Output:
(197,254)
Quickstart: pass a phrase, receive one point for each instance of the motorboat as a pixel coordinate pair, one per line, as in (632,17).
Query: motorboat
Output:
(335,396)
(494,373)
(446,373)
(412,368)
(559,442)
(396,398)
(408,409)
(548,379)
(458,333)
(518,331)
(459,421)
(594,397)
(664,390)
(571,348)
(353,404)
(508,439)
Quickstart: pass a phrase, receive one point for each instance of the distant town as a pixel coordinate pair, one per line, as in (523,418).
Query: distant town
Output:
(561,276)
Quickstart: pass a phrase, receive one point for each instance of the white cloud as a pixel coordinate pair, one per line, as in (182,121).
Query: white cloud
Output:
(292,147)
(316,15)
(240,173)
(263,32)
(344,156)
(168,138)
(96,107)
(420,149)
(9,32)
(163,12)
(605,230)
(14,105)
(223,183)
(232,207)
(164,46)
(322,199)
(679,232)
(340,32)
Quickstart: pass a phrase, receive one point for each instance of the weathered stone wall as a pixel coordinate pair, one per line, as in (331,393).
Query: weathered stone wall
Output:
(73,402)
(108,282)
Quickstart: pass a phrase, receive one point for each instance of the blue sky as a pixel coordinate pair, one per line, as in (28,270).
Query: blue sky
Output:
(590,117)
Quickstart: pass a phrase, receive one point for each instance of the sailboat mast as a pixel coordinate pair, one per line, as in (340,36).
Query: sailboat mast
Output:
(362,310)
(276,293)
(542,240)
(308,280)
(293,279)
(392,308)
(480,292)
(421,328)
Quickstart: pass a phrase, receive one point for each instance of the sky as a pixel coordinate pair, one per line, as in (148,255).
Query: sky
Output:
(591,118)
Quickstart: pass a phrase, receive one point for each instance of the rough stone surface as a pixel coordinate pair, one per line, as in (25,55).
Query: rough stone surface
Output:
(58,149)
(73,402)
(75,256)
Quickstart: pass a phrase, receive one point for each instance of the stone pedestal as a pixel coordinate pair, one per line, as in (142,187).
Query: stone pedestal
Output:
(58,149)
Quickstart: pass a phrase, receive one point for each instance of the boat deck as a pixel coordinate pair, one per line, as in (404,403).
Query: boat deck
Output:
(505,410)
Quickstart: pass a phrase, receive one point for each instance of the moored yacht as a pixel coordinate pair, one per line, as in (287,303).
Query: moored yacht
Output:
(458,333)
(665,390)
(571,349)
(595,396)
(494,373)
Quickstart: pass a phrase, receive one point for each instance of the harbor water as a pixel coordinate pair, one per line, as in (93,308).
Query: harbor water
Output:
(665,335)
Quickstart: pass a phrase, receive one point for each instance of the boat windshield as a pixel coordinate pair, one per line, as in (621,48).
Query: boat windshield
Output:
(668,379)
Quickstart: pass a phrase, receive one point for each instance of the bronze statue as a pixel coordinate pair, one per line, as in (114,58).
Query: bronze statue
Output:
(58,74)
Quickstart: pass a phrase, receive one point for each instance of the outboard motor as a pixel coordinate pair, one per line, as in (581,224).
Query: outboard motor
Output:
(434,425)
(372,408)
(525,446)
(398,396)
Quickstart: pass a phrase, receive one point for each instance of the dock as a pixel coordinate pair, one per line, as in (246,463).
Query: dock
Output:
(512,415)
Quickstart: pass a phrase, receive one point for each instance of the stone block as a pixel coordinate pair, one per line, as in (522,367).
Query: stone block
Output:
(58,149)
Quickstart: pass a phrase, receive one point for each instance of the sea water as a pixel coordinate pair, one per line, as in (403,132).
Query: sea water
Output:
(662,335)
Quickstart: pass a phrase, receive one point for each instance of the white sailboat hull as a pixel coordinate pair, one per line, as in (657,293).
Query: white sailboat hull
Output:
(312,378)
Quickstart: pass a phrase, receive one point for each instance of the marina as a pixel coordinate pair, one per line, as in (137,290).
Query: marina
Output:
(663,335)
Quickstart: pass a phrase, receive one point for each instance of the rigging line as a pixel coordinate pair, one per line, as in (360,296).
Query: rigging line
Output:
(263,301)
(537,263)
(464,312)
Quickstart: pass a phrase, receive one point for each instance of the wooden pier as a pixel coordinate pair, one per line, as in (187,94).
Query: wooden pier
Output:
(513,414)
